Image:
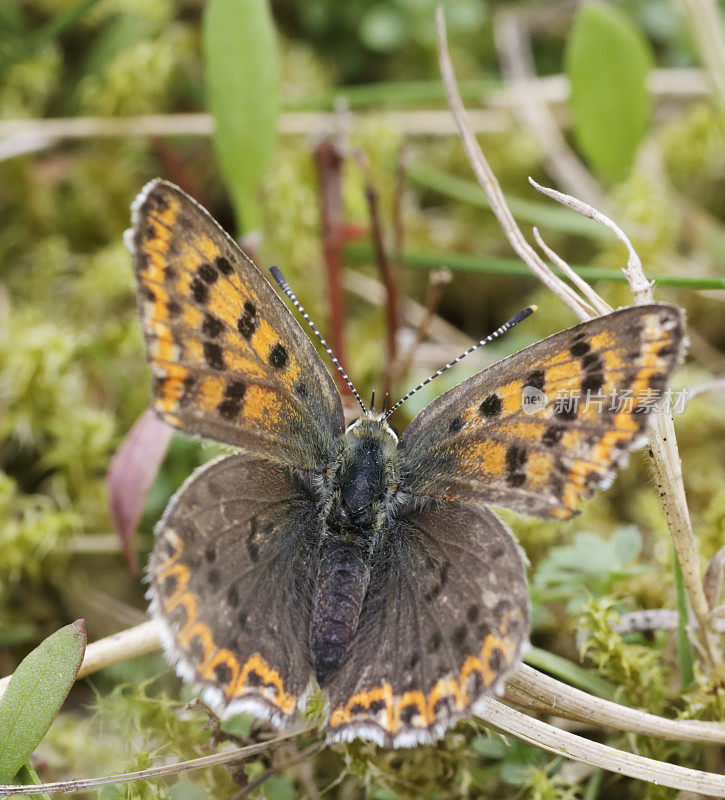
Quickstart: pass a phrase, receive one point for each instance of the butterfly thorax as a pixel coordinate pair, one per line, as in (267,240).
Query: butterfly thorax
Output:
(357,496)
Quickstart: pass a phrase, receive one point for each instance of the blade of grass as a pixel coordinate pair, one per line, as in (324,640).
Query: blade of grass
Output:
(541,214)
(684,646)
(357,252)
(569,672)
(50,30)
(394,93)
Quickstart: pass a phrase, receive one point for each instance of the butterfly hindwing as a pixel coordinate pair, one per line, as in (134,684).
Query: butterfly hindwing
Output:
(227,569)
(444,620)
(589,388)
(229,360)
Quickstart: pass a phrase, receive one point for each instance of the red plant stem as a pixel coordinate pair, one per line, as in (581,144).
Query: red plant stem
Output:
(329,167)
(389,279)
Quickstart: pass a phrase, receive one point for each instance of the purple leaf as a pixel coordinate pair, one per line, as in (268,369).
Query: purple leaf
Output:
(133,470)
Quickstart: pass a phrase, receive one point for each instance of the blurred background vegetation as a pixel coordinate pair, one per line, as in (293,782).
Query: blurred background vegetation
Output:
(640,135)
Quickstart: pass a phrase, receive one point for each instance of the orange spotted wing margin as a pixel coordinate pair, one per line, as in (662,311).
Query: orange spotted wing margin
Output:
(227,569)
(445,619)
(546,427)
(229,360)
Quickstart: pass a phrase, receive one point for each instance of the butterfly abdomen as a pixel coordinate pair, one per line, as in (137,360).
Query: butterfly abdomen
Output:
(341,581)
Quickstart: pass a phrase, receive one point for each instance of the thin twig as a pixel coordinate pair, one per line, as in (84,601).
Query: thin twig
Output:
(387,274)
(530,688)
(705,20)
(569,745)
(490,185)
(329,158)
(413,313)
(598,305)
(438,279)
(267,774)
(213,760)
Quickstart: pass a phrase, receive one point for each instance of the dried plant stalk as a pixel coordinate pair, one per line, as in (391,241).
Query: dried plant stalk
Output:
(663,447)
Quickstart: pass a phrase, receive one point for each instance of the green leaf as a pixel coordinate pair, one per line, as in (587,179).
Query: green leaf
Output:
(607,61)
(35,693)
(243,83)
(684,647)
(568,671)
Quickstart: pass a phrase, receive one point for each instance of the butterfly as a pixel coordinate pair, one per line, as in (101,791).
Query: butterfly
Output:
(346,558)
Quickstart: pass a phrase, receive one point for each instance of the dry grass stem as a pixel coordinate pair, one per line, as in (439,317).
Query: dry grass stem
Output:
(532,689)
(666,465)
(596,304)
(705,20)
(203,762)
(517,66)
(490,185)
(569,745)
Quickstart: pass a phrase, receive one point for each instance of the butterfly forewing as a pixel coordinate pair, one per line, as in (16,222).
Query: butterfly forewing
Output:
(444,620)
(544,428)
(229,360)
(227,569)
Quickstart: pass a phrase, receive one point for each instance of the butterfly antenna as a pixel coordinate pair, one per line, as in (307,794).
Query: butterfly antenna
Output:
(285,287)
(525,312)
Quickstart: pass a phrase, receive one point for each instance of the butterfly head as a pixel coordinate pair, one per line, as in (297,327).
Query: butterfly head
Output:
(372,424)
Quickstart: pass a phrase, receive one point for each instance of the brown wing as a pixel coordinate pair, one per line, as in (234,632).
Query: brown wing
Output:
(226,571)
(545,427)
(444,620)
(230,362)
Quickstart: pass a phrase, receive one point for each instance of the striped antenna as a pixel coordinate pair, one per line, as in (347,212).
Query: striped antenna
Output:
(285,287)
(525,312)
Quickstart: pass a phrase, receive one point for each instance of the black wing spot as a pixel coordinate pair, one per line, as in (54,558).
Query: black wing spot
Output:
(376,706)
(248,323)
(592,383)
(210,554)
(213,577)
(233,596)
(491,406)
(223,265)
(536,379)
(223,674)
(214,356)
(208,274)
(434,642)
(567,410)
(455,425)
(516,457)
(458,637)
(579,349)
(199,291)
(187,391)
(496,660)
(231,405)
(301,389)
(472,613)
(407,713)
(211,326)
(278,356)
(169,585)
(552,435)
(174,309)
